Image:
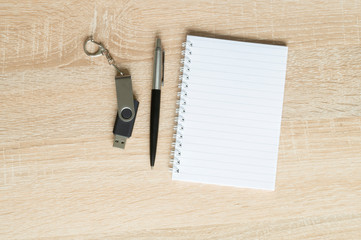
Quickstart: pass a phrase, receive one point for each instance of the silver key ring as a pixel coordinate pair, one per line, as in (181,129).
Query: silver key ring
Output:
(97,52)
(100,51)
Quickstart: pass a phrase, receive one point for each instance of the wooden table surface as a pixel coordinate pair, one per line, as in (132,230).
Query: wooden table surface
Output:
(61,178)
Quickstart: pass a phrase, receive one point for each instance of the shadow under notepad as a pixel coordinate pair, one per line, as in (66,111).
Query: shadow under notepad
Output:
(235,38)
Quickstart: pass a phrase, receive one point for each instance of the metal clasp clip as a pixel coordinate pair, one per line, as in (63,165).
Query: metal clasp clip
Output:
(98,52)
(101,51)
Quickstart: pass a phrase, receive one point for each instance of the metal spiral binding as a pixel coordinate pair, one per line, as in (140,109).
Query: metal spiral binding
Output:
(182,95)
(185,60)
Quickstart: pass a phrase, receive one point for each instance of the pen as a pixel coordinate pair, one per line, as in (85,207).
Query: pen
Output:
(155,104)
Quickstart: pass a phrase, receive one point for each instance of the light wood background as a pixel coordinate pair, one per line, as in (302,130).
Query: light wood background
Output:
(60,177)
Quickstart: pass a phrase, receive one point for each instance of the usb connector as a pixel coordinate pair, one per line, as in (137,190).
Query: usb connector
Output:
(119,141)
(123,130)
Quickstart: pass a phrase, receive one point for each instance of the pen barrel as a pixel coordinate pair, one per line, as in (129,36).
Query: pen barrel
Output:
(154,124)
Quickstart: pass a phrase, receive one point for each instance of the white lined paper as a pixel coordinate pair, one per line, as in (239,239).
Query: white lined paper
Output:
(230,113)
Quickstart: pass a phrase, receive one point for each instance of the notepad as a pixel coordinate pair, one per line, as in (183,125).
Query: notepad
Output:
(229,114)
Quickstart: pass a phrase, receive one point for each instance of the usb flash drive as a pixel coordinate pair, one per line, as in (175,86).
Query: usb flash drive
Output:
(123,130)
(127,105)
(127,110)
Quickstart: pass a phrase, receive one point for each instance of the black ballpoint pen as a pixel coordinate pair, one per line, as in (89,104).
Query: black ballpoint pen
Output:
(155,104)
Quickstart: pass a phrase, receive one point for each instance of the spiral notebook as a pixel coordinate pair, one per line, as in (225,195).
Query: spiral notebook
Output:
(229,115)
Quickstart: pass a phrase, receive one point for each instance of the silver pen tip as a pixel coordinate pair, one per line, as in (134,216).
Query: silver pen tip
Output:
(158,43)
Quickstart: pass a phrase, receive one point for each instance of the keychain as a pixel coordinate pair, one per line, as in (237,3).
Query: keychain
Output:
(127,104)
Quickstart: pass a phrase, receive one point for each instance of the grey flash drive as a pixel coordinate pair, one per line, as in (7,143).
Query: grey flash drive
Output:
(127,105)
(127,111)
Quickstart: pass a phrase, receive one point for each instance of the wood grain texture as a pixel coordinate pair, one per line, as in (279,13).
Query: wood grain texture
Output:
(60,177)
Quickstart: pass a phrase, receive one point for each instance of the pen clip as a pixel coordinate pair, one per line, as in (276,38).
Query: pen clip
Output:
(163,59)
